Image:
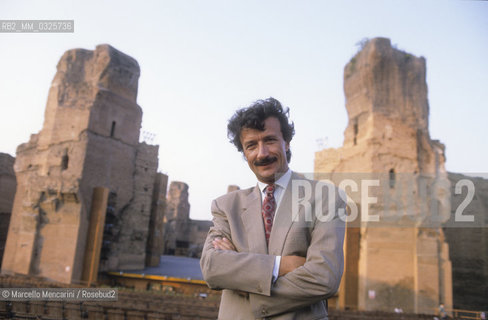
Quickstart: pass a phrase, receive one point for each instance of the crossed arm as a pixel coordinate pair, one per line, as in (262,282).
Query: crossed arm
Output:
(230,268)
(287,264)
(316,280)
(301,282)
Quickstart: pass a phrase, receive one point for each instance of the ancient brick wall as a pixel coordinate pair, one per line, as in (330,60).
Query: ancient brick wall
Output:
(90,138)
(406,263)
(182,235)
(176,219)
(468,247)
(130,249)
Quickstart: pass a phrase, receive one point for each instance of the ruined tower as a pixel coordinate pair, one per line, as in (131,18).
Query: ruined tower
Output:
(176,219)
(403,263)
(89,141)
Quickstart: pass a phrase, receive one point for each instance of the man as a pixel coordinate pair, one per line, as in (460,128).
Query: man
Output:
(272,263)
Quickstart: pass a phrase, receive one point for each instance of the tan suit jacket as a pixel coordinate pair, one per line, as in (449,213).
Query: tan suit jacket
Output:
(300,294)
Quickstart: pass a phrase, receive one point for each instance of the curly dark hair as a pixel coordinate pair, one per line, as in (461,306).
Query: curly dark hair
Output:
(253,117)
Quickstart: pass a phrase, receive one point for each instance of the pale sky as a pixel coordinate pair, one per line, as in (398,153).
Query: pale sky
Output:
(202,60)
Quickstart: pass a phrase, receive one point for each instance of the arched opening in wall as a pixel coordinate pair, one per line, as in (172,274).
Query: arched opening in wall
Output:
(392,178)
(65,160)
(356,129)
(112,130)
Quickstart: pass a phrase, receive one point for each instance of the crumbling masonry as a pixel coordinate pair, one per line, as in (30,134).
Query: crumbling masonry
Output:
(87,149)
(182,235)
(404,264)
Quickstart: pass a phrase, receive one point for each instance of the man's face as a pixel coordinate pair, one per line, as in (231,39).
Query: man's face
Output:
(265,151)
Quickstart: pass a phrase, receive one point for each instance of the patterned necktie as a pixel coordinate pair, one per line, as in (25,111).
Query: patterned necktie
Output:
(268,210)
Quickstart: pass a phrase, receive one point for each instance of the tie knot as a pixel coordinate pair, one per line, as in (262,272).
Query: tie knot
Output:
(270,189)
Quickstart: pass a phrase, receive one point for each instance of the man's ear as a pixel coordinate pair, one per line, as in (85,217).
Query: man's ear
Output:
(287,146)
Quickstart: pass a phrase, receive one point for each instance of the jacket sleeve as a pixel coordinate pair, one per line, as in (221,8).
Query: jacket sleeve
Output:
(317,279)
(224,269)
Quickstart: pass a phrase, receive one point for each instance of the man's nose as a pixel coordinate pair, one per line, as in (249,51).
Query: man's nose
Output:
(262,150)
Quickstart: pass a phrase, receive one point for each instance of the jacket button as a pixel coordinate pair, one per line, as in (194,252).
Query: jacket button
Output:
(260,289)
(264,312)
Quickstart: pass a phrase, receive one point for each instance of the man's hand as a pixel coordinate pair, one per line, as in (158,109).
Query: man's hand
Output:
(223,244)
(290,263)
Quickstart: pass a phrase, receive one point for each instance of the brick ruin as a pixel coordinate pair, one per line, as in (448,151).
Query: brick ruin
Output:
(468,247)
(407,263)
(90,138)
(402,265)
(86,170)
(182,235)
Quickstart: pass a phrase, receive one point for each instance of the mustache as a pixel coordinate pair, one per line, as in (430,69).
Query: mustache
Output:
(265,161)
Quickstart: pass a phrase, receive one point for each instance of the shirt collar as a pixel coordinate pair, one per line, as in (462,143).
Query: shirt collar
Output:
(281,182)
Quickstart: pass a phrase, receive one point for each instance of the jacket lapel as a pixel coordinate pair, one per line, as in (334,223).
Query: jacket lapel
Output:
(253,222)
